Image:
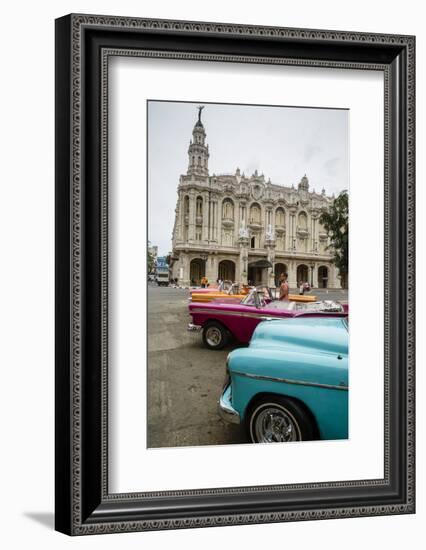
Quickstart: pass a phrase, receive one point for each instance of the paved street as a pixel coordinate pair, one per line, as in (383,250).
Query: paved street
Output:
(184,378)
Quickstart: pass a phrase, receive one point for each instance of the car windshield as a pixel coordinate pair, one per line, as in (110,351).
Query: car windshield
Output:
(234,289)
(255,299)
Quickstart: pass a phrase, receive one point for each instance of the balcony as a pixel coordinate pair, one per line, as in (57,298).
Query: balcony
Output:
(255,224)
(302,232)
(228,222)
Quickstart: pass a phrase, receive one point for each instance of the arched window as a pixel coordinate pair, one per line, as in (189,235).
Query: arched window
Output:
(280,217)
(199,161)
(303,220)
(228,209)
(199,209)
(186,205)
(254,213)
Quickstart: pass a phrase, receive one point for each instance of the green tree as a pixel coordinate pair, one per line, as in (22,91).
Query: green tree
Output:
(335,222)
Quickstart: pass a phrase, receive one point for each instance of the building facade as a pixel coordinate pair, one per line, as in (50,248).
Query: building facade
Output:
(246,229)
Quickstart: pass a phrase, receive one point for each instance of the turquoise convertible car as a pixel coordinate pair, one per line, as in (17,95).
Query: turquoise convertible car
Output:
(291,383)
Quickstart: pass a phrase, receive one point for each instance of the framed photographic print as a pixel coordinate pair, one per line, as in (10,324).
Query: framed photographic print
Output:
(234,274)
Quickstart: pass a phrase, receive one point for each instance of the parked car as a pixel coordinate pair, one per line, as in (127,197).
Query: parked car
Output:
(291,383)
(220,321)
(237,292)
(213,287)
(234,292)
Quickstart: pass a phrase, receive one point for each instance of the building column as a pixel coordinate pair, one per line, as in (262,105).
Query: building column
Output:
(292,274)
(316,281)
(191,225)
(236,224)
(236,260)
(292,236)
(219,221)
(331,280)
(243,260)
(271,258)
(179,218)
(213,267)
(213,220)
(337,280)
(182,216)
(315,235)
(312,275)
(205,229)
(185,270)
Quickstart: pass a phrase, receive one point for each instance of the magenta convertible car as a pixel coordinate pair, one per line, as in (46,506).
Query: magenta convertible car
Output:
(221,321)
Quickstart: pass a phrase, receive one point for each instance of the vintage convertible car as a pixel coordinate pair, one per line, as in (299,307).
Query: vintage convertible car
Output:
(213,287)
(234,292)
(237,292)
(220,321)
(291,383)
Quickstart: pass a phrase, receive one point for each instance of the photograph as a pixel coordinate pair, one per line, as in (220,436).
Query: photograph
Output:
(247,273)
(227,195)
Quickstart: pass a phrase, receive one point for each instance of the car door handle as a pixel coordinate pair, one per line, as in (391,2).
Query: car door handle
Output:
(339,357)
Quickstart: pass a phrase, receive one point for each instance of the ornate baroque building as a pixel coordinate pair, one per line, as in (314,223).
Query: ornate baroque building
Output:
(235,227)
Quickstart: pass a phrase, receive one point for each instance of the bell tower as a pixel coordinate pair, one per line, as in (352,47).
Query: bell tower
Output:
(198,151)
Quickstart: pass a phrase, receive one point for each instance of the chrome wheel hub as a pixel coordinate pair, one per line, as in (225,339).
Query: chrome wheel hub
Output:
(275,425)
(213,336)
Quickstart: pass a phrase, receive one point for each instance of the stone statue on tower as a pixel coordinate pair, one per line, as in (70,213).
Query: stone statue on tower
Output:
(200,108)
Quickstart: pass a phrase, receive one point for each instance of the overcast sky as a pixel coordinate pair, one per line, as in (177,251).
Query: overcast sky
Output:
(283,143)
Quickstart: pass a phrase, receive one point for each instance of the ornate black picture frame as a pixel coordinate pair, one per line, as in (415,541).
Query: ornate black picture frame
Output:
(83,45)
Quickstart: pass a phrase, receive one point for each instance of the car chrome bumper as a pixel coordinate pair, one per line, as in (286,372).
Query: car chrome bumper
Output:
(226,410)
(193,328)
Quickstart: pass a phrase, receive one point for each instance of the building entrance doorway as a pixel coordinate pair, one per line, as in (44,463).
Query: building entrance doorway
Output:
(226,270)
(302,274)
(323,276)
(258,272)
(197,270)
(255,276)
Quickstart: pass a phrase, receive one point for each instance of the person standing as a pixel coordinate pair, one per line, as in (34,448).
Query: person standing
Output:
(284,288)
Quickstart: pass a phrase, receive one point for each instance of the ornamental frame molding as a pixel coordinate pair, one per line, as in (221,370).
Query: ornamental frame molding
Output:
(78,24)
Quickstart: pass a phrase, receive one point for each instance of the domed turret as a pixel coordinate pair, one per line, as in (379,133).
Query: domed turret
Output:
(198,151)
(304,184)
